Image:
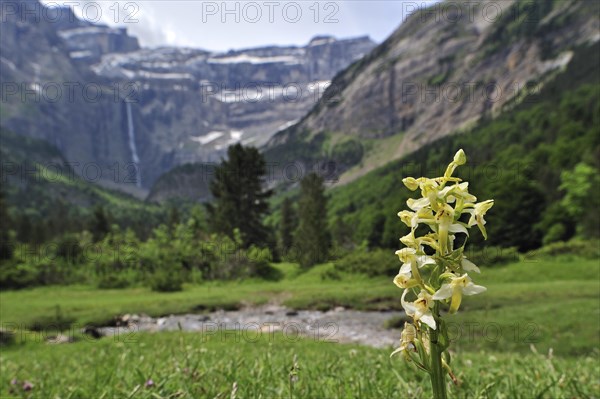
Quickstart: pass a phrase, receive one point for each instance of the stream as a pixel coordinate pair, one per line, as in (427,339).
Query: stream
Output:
(337,325)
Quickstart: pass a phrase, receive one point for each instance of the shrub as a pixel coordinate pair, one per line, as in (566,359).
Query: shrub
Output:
(377,262)
(555,233)
(266,271)
(15,274)
(69,248)
(589,249)
(32,266)
(238,265)
(115,272)
(58,271)
(196,277)
(166,280)
(116,280)
(330,274)
(260,264)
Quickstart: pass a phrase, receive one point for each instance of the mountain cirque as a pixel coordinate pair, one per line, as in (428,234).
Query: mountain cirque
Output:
(185,105)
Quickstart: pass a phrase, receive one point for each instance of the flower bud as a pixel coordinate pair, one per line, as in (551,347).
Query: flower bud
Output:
(460,158)
(411,183)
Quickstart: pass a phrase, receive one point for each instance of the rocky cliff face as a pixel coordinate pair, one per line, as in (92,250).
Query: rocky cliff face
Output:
(201,102)
(86,41)
(136,113)
(46,95)
(88,44)
(440,72)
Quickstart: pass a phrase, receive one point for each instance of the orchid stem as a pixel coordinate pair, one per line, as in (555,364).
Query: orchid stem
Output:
(438,374)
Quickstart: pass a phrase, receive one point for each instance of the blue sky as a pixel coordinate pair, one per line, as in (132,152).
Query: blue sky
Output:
(224,25)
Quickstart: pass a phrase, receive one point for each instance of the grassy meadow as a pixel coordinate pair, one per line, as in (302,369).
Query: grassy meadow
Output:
(534,333)
(187,365)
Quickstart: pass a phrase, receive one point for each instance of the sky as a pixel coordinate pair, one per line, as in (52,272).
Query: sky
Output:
(225,25)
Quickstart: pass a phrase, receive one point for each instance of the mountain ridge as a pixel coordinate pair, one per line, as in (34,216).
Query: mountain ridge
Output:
(399,97)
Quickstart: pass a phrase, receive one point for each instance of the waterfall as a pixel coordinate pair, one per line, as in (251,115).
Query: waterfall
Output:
(132,147)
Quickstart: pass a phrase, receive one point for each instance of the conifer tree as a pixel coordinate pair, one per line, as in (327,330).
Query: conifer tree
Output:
(100,225)
(240,199)
(376,234)
(312,239)
(341,234)
(287,225)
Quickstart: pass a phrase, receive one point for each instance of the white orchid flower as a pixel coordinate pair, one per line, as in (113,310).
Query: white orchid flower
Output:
(411,262)
(417,242)
(418,204)
(430,190)
(404,280)
(412,219)
(409,256)
(469,266)
(420,310)
(406,217)
(455,289)
(446,224)
(457,191)
(477,213)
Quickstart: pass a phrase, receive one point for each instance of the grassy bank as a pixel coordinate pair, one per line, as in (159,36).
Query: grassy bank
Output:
(549,303)
(188,365)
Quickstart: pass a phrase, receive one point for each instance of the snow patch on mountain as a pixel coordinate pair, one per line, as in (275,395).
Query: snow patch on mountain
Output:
(207,138)
(245,58)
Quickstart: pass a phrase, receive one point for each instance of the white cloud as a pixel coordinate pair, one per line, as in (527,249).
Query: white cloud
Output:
(218,25)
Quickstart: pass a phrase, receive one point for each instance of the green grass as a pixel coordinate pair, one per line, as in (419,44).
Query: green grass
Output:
(502,340)
(549,303)
(188,365)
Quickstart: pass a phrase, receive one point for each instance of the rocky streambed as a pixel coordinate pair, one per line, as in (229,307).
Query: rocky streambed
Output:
(337,325)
